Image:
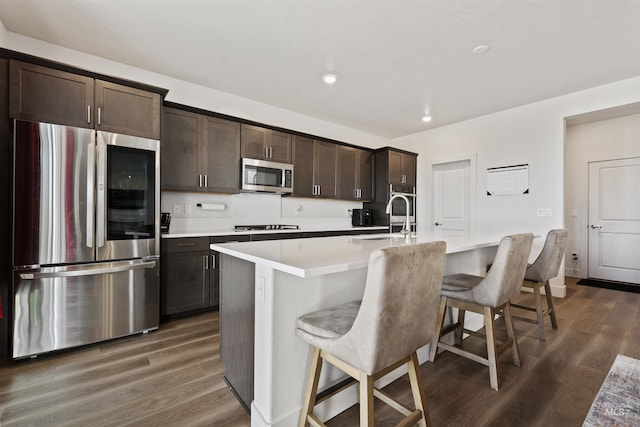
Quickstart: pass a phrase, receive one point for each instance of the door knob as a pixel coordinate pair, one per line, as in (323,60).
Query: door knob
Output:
(595,226)
(437,224)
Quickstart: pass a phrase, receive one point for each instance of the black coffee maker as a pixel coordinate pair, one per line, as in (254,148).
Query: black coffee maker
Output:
(361,217)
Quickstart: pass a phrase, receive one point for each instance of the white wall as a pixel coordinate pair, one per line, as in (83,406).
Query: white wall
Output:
(532,134)
(611,139)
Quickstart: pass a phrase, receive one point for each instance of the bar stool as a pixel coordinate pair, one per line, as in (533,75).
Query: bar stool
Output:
(538,274)
(369,339)
(488,296)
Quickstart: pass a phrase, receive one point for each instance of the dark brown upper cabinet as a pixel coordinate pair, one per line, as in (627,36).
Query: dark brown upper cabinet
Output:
(354,174)
(314,173)
(265,144)
(43,94)
(179,151)
(199,152)
(126,110)
(402,168)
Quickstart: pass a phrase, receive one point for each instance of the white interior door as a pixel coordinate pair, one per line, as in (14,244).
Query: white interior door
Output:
(451,205)
(614,220)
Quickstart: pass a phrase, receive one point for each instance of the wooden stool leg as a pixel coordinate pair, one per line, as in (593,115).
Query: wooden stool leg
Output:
(311,390)
(366,400)
(539,314)
(515,351)
(491,347)
(460,331)
(417,390)
(439,322)
(550,309)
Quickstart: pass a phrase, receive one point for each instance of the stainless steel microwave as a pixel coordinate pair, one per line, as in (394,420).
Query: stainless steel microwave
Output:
(262,175)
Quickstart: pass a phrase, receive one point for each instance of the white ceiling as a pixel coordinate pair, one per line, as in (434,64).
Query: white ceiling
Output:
(394,58)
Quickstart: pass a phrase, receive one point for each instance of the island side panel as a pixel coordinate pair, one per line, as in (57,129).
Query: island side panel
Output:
(237,325)
(282,359)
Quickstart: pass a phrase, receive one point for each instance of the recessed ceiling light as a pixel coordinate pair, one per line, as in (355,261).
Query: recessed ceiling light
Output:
(481,49)
(427,119)
(329,78)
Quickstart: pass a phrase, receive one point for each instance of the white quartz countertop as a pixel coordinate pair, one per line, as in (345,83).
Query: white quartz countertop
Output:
(231,231)
(327,255)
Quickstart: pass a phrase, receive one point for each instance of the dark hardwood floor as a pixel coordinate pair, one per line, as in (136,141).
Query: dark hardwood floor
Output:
(173,376)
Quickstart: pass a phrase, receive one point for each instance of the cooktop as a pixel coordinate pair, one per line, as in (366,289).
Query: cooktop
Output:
(265,227)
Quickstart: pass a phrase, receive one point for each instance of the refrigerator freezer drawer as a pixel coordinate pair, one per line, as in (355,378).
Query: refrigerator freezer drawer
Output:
(63,307)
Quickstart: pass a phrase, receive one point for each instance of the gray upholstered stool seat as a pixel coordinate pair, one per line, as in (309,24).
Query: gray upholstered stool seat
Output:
(544,268)
(489,295)
(332,322)
(369,339)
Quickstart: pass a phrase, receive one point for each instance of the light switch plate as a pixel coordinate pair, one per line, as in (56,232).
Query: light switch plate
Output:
(544,211)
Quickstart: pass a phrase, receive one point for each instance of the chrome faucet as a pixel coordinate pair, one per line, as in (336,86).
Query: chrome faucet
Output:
(406,227)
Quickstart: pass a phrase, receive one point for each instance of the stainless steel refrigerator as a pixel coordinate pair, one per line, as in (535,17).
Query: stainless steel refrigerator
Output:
(86,237)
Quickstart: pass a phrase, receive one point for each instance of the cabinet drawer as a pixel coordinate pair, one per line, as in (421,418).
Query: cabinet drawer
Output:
(186,244)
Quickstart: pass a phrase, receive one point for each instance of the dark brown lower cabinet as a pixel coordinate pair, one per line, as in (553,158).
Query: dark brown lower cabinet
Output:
(185,275)
(190,274)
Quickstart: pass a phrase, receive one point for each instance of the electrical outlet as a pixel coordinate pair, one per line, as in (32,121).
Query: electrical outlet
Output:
(574,256)
(187,209)
(544,212)
(260,289)
(177,208)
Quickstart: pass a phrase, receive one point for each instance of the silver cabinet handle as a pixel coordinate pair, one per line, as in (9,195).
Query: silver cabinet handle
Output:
(89,114)
(266,152)
(319,190)
(206,180)
(186,244)
(87,272)
(213,261)
(437,224)
(200,180)
(271,152)
(595,227)
(99,118)
(205,262)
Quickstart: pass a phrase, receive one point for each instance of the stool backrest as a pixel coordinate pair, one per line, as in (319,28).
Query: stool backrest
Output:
(399,306)
(547,265)
(504,279)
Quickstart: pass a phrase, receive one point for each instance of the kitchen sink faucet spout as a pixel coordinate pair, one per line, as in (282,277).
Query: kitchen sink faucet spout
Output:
(406,227)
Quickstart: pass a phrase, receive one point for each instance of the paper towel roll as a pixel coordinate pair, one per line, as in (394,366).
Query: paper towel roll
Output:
(212,206)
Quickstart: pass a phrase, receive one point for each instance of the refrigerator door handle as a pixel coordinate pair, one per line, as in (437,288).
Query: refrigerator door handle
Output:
(88,272)
(91,175)
(100,205)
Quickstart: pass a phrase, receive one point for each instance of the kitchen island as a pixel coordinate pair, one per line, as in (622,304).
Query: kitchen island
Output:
(267,285)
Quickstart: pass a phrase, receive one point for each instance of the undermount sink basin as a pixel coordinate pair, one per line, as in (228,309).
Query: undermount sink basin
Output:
(379,236)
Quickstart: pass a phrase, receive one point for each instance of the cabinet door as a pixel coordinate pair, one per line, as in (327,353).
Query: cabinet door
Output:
(409,169)
(364,174)
(222,147)
(214,279)
(184,275)
(324,168)
(302,166)
(253,141)
(126,110)
(346,173)
(280,147)
(181,133)
(395,168)
(43,94)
